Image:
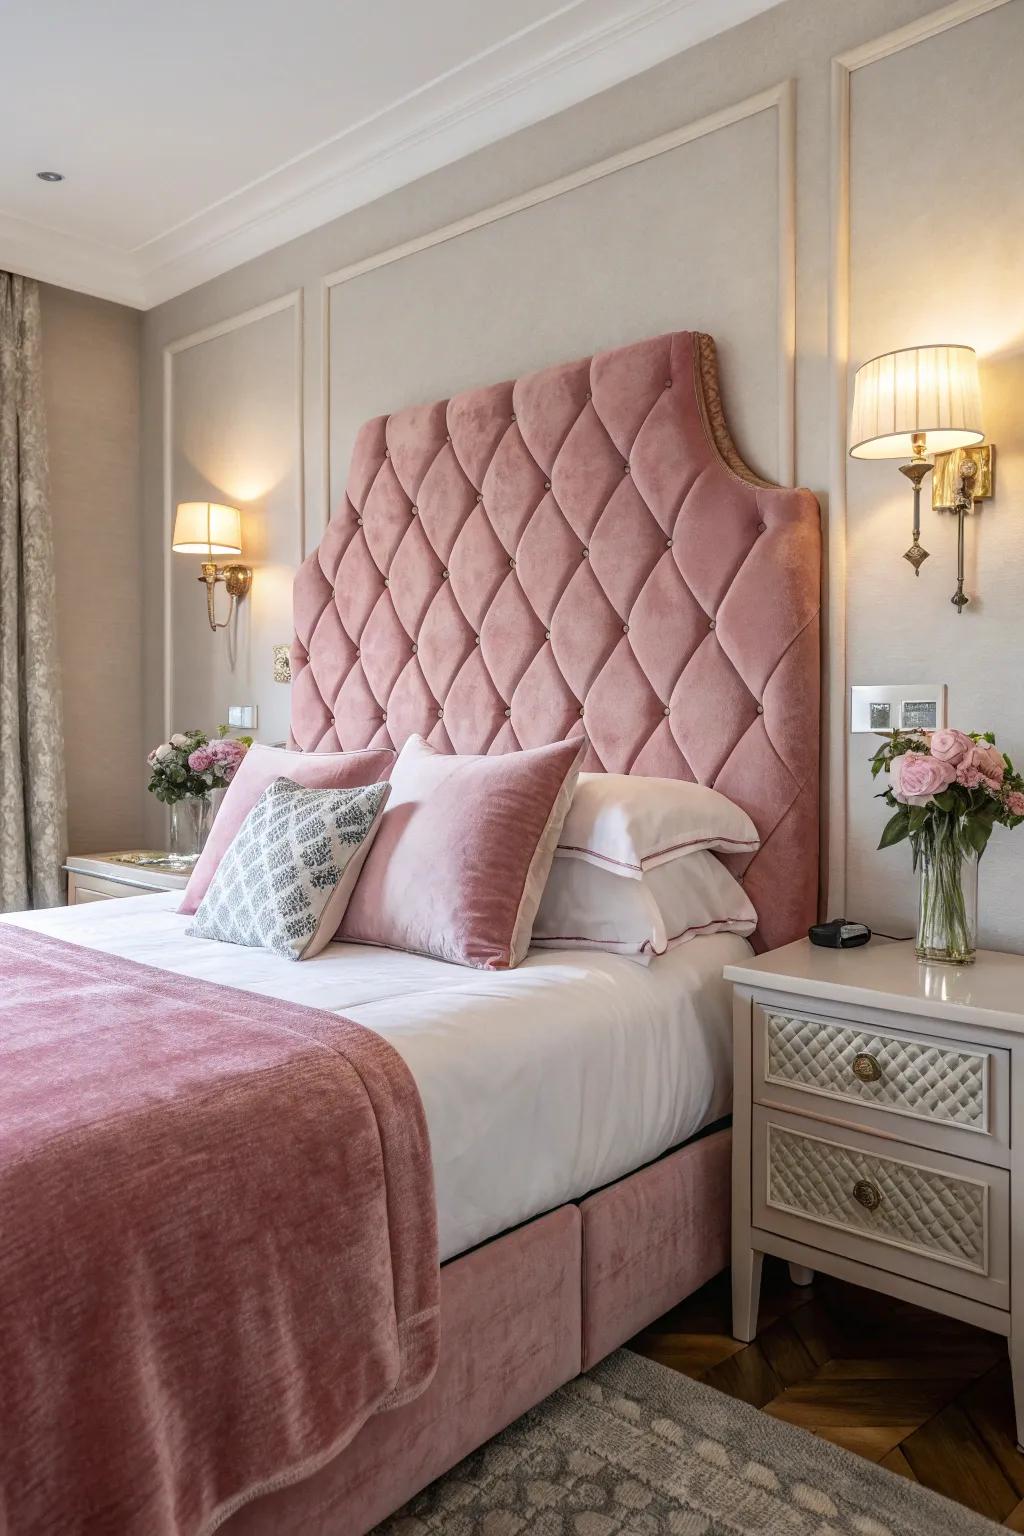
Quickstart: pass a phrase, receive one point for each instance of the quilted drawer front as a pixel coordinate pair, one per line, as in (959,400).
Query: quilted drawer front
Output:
(940,1219)
(930,1080)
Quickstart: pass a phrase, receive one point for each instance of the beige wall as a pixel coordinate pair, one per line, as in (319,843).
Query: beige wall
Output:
(700,235)
(91,352)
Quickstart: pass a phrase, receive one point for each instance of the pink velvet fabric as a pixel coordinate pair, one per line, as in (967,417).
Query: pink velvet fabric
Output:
(511,1331)
(260,767)
(219,1251)
(580,549)
(652,1239)
(463,852)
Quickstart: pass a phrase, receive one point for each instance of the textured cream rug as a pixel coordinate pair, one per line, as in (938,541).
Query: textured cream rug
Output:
(634,1449)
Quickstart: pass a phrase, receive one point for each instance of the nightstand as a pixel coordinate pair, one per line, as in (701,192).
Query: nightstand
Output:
(878,1130)
(103,876)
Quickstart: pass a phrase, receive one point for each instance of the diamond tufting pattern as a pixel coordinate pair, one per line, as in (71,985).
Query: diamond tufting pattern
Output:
(580,550)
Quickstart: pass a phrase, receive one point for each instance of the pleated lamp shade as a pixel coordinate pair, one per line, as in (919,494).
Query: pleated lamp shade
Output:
(929,390)
(207,528)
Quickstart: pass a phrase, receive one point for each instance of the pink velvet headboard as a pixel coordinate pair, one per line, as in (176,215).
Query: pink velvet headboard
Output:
(580,549)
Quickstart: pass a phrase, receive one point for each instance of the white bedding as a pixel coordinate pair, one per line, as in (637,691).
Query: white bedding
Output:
(539,1084)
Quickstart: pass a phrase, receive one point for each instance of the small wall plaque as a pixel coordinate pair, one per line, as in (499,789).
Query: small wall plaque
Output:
(282,664)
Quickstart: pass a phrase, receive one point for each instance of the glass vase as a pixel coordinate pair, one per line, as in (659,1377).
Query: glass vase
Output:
(947,901)
(190,827)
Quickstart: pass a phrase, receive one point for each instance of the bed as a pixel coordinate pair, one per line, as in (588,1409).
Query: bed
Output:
(581,550)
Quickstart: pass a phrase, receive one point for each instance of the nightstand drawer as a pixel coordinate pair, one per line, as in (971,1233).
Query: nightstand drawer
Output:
(949,1085)
(942,1220)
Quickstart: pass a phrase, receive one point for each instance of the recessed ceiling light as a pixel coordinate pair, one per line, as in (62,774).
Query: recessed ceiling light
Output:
(50,175)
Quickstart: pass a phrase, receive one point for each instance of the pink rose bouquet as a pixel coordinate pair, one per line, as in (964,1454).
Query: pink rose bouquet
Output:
(191,765)
(947,782)
(947,790)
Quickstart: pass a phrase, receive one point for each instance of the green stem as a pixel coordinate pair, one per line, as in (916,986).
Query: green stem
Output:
(945,927)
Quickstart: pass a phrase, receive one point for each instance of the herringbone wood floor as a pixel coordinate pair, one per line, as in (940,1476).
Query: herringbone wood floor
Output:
(924,1395)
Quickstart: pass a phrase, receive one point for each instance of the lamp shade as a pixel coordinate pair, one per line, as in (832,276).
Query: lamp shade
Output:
(207,528)
(928,390)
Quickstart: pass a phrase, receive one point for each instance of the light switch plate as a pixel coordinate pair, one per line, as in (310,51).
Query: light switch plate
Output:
(897,706)
(243,717)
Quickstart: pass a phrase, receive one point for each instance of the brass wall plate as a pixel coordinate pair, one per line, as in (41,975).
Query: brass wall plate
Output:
(946,475)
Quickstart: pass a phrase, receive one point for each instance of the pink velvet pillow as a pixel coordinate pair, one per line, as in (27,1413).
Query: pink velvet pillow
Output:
(464,849)
(260,767)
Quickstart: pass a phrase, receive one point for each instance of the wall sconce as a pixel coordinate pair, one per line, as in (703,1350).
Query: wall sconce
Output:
(925,402)
(207,528)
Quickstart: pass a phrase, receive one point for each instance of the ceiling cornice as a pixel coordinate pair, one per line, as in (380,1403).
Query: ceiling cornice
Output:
(527,78)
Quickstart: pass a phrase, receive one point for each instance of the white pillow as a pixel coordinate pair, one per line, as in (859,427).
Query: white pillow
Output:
(587,907)
(631,824)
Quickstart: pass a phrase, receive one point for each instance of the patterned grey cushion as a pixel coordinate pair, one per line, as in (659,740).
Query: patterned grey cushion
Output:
(285,881)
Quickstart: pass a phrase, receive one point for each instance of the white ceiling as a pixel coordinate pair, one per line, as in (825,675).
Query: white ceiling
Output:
(196,134)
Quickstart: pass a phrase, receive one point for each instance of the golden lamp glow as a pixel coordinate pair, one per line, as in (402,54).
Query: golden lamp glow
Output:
(923,404)
(918,400)
(207,528)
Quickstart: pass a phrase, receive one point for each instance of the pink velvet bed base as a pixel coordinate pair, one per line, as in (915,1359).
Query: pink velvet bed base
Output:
(521,1316)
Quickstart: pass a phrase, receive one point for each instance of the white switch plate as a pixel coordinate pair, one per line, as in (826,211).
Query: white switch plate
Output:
(897,706)
(243,717)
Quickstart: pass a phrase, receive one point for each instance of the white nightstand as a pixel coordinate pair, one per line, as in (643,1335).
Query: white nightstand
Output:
(878,1130)
(101,876)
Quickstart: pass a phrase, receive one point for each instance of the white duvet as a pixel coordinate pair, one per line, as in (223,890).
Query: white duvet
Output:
(539,1084)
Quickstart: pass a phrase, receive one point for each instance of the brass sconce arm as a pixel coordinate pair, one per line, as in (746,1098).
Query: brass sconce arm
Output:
(237,580)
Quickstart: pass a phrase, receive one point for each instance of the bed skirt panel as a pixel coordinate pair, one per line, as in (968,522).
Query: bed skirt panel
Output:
(652,1239)
(511,1332)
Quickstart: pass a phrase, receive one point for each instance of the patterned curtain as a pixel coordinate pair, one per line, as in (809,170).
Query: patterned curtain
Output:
(32,801)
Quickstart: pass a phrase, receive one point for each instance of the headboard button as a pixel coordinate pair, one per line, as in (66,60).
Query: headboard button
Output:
(511,562)
(760,709)
(444,575)
(761,527)
(384,714)
(625,629)
(584,552)
(547,634)
(508,712)
(581,711)
(359,522)
(625,469)
(415,647)
(476,640)
(668,383)
(387,453)
(666,710)
(386,582)
(440,714)
(547,485)
(479,497)
(414,509)
(711,623)
(669,543)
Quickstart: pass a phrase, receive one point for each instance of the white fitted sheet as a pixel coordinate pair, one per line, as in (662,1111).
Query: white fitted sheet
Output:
(539,1084)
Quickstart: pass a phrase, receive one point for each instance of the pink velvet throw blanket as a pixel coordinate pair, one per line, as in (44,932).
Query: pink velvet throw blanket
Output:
(218,1248)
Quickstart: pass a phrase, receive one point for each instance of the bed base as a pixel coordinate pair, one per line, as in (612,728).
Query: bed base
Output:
(520,1316)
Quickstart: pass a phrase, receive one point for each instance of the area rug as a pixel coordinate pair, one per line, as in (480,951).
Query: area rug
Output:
(636,1449)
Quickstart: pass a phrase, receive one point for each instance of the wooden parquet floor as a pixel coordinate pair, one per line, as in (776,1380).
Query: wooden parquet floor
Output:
(926,1396)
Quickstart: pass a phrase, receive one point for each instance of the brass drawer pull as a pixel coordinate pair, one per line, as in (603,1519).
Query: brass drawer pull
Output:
(866,1068)
(867,1194)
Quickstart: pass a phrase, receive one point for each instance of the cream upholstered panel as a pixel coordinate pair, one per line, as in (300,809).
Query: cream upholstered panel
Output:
(580,550)
(920,1208)
(916,1077)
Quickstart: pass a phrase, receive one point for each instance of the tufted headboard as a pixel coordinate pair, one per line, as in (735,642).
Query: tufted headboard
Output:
(582,549)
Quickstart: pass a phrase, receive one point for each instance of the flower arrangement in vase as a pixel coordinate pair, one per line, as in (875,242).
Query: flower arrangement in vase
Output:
(184,773)
(947,790)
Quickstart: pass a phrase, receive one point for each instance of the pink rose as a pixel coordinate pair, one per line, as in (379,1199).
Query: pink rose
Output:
(1015,802)
(915,777)
(950,746)
(988,762)
(200,760)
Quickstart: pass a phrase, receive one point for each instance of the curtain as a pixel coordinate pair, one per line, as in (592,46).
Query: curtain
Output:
(32,796)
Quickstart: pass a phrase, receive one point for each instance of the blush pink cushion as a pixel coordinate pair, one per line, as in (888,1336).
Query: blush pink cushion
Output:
(463,853)
(260,767)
